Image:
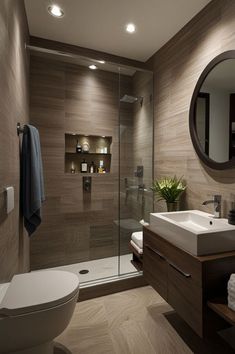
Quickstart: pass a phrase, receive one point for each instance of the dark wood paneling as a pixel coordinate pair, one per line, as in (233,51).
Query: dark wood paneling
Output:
(14,107)
(186,298)
(220,306)
(184,261)
(155,271)
(187,282)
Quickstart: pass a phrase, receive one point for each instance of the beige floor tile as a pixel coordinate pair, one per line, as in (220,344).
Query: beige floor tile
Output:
(88,330)
(88,340)
(89,312)
(160,333)
(131,304)
(129,338)
(130,322)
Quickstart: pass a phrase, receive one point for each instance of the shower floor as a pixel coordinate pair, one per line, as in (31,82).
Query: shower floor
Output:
(100,268)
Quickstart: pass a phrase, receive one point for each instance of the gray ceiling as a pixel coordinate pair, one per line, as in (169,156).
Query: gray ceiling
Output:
(99,24)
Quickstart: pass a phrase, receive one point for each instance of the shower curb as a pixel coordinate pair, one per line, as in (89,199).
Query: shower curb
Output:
(112,287)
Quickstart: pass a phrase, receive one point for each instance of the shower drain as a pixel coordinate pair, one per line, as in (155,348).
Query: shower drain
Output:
(84,271)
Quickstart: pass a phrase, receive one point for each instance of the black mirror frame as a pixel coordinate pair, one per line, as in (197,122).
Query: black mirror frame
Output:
(192,124)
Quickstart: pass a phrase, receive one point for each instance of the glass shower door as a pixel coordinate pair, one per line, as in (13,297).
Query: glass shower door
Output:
(136,160)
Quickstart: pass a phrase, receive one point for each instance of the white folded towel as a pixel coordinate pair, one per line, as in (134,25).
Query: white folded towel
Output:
(138,249)
(137,238)
(144,223)
(231,303)
(232,296)
(231,292)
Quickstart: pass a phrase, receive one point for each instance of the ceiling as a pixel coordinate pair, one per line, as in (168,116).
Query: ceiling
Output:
(100,24)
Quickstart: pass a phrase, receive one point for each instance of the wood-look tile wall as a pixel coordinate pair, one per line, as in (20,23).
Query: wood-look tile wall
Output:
(76,227)
(14,248)
(177,67)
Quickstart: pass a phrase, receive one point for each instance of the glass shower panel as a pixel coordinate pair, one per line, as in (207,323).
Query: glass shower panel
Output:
(136,159)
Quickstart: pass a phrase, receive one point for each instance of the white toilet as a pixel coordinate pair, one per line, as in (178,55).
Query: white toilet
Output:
(34,309)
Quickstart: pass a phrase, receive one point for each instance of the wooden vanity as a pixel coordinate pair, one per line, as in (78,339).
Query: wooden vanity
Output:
(187,282)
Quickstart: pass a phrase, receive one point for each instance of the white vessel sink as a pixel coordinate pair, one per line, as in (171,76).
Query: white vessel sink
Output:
(194,231)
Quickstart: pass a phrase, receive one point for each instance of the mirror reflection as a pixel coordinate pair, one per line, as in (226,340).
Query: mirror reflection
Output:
(215,113)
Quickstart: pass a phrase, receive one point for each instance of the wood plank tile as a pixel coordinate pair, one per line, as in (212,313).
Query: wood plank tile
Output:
(177,67)
(14,107)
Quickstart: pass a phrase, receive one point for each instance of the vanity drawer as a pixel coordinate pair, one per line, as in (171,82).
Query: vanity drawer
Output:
(155,270)
(181,259)
(154,241)
(186,298)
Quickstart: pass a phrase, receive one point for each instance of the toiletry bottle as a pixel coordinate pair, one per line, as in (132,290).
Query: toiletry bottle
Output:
(85,147)
(101,167)
(78,148)
(72,168)
(92,167)
(84,166)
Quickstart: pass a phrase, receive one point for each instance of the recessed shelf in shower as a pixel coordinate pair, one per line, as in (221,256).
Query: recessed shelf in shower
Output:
(96,149)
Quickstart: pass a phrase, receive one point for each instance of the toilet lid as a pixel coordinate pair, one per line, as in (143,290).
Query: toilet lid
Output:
(39,290)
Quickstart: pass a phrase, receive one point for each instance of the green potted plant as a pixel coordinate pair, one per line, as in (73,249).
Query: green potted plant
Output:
(169,189)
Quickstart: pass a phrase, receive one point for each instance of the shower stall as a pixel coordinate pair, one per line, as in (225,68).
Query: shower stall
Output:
(96,131)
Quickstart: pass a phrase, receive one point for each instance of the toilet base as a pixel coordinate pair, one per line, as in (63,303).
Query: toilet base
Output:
(46,348)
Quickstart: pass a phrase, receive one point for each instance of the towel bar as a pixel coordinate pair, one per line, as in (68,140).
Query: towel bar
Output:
(20,129)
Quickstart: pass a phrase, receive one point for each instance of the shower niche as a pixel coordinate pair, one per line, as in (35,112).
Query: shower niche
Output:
(87,154)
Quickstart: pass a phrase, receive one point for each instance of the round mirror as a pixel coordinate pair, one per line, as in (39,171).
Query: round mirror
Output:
(212,113)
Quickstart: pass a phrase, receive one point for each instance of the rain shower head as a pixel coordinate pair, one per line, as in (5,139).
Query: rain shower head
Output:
(131,99)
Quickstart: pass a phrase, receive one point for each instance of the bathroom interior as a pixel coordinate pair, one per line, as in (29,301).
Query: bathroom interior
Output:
(117,176)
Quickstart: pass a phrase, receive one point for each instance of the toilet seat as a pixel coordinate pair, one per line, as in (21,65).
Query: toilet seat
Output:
(36,291)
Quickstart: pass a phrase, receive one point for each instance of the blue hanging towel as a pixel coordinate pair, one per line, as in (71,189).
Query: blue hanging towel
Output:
(32,185)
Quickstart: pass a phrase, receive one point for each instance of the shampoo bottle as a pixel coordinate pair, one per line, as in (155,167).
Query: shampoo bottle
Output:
(84,166)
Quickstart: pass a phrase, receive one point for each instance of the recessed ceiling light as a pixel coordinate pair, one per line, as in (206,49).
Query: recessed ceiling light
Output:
(55,11)
(92,67)
(103,136)
(101,61)
(130,28)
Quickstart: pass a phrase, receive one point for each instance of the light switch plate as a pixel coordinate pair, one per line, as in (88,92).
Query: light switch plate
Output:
(9,199)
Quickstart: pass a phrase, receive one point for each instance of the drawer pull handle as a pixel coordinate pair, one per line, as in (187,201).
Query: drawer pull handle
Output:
(156,252)
(186,275)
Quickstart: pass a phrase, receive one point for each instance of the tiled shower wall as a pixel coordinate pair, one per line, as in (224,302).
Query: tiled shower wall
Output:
(72,98)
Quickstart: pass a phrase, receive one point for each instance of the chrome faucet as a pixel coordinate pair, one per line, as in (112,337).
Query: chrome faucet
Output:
(217,205)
